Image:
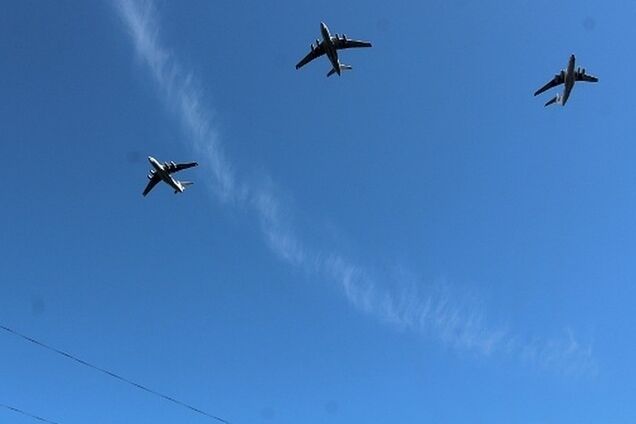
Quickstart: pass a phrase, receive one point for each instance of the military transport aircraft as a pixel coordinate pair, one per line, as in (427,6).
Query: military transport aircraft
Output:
(330,46)
(161,172)
(567,77)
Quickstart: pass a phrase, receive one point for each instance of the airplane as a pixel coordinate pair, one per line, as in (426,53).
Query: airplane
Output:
(330,46)
(161,172)
(567,77)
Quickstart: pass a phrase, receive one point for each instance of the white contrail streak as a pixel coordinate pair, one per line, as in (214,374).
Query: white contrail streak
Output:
(434,312)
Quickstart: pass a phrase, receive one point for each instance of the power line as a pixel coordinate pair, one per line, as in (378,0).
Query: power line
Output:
(26,414)
(113,375)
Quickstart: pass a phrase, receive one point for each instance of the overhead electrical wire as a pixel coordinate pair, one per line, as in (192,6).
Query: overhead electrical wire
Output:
(112,374)
(27,414)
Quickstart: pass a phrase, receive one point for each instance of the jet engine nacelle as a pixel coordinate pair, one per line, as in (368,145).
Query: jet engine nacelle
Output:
(344,37)
(583,71)
(317,43)
(149,176)
(174,165)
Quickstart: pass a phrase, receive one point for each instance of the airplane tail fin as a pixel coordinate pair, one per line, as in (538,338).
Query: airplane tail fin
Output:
(343,67)
(556,99)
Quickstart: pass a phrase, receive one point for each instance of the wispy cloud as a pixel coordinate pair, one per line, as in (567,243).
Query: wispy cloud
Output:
(436,312)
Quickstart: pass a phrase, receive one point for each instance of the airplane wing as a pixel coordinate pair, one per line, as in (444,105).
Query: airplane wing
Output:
(558,79)
(345,43)
(151,184)
(582,76)
(181,166)
(313,54)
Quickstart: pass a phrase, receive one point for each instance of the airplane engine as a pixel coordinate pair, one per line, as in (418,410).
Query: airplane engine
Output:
(173,164)
(337,35)
(317,43)
(344,37)
(311,46)
(149,176)
(583,71)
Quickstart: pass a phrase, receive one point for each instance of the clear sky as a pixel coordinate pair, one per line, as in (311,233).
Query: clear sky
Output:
(419,240)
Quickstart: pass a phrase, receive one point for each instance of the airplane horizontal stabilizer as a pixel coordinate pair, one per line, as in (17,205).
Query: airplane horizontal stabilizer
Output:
(342,68)
(552,101)
(182,186)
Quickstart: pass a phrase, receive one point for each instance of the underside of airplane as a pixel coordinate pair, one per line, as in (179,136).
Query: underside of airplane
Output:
(568,77)
(163,172)
(329,46)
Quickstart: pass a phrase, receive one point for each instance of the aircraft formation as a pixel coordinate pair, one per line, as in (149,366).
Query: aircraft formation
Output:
(329,47)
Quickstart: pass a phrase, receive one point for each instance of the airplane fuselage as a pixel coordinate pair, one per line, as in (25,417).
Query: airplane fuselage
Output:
(162,172)
(569,80)
(330,48)
(568,77)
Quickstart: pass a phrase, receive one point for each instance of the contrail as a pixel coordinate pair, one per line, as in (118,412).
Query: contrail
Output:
(435,312)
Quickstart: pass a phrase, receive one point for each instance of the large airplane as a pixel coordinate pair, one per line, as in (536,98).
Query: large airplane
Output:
(567,77)
(330,46)
(162,172)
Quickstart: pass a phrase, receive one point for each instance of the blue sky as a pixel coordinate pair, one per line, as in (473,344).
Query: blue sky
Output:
(416,240)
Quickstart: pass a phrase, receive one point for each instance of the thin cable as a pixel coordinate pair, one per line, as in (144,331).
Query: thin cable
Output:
(112,374)
(26,414)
